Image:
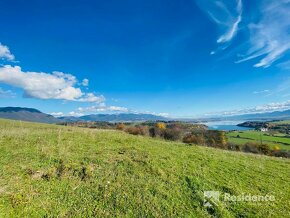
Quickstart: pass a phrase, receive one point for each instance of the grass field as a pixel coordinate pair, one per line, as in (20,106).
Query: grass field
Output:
(56,171)
(255,136)
(281,122)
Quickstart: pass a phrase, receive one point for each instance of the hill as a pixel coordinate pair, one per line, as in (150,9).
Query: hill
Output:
(122,117)
(26,114)
(56,171)
(276,115)
(34,115)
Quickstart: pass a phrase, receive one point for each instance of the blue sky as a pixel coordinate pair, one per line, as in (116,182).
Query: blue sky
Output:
(182,58)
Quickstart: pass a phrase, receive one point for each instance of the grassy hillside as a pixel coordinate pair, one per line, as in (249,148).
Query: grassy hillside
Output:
(245,136)
(48,170)
(281,122)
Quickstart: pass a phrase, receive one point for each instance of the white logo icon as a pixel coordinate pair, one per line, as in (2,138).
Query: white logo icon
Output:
(210,197)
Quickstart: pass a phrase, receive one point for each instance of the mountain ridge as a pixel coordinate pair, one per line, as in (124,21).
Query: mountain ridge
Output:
(26,114)
(34,115)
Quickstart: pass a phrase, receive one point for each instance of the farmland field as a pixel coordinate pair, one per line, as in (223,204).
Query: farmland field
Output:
(57,171)
(282,122)
(242,137)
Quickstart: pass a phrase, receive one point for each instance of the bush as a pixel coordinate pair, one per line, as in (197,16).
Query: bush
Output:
(120,126)
(234,147)
(156,132)
(251,148)
(281,153)
(160,125)
(133,130)
(152,132)
(264,149)
(215,138)
(137,130)
(194,139)
(172,134)
(189,139)
(143,130)
(256,148)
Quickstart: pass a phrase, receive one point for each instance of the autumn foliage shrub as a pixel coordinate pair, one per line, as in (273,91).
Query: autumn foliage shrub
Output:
(194,139)
(256,148)
(281,153)
(250,147)
(210,138)
(120,126)
(189,139)
(233,146)
(160,125)
(173,134)
(216,139)
(137,130)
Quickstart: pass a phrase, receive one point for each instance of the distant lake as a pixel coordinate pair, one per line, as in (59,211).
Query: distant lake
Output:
(226,125)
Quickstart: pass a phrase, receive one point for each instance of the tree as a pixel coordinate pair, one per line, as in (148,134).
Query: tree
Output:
(160,125)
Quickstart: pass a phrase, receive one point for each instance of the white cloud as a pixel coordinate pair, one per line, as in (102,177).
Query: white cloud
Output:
(277,106)
(85,82)
(57,114)
(231,32)
(6,93)
(163,114)
(269,37)
(226,14)
(42,85)
(91,97)
(268,29)
(103,107)
(5,53)
(75,114)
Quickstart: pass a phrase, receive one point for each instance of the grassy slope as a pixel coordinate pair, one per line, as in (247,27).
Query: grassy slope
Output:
(88,172)
(282,122)
(246,136)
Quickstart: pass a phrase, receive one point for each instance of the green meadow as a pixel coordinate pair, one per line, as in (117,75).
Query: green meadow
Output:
(58,171)
(281,140)
(282,122)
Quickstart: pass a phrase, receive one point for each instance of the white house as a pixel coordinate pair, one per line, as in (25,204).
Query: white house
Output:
(264,129)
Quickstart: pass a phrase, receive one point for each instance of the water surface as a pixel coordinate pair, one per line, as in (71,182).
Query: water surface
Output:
(226,125)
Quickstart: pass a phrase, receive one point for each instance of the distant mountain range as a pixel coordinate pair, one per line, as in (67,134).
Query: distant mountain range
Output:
(276,115)
(26,114)
(123,117)
(31,114)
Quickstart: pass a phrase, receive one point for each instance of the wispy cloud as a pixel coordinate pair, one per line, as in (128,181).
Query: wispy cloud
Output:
(40,85)
(226,14)
(284,65)
(276,106)
(102,107)
(5,53)
(269,37)
(6,93)
(280,90)
(268,31)
(57,114)
(85,82)
(231,26)
(261,92)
